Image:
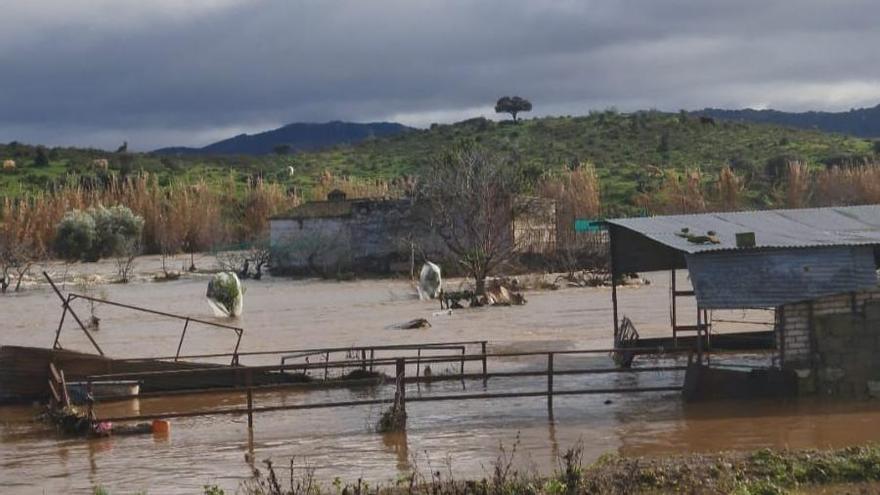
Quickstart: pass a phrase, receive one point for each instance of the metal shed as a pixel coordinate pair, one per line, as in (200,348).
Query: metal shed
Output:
(782,256)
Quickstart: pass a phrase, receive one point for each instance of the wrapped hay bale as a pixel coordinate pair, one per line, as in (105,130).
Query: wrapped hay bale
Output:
(430,282)
(225,295)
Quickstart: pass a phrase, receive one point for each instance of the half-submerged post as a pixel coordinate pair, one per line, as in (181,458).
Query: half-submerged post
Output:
(250,398)
(485,375)
(400,391)
(550,381)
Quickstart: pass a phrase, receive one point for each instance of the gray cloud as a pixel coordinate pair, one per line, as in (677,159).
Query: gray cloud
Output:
(167,72)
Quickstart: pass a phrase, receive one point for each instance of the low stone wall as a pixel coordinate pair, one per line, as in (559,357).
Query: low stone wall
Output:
(833,343)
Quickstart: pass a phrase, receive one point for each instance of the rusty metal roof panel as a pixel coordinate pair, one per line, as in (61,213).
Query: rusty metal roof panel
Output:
(808,227)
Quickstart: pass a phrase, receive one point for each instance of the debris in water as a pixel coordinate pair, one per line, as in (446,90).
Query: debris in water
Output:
(430,282)
(225,295)
(415,324)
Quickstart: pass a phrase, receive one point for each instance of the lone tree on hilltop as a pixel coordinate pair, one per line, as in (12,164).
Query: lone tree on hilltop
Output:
(512,105)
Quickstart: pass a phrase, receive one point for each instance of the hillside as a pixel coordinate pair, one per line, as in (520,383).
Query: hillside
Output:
(628,150)
(863,122)
(298,137)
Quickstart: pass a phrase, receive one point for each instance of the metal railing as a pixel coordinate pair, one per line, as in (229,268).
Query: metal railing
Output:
(65,301)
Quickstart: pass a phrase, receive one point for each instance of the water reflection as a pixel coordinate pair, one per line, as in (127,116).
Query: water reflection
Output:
(396,443)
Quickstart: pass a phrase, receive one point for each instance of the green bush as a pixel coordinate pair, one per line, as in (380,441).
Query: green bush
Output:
(98,232)
(75,236)
(118,229)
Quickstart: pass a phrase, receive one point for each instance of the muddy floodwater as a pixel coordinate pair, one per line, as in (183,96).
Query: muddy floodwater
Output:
(463,435)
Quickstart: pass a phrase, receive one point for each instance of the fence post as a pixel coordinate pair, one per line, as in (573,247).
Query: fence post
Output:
(364,359)
(462,361)
(485,375)
(400,393)
(250,399)
(550,381)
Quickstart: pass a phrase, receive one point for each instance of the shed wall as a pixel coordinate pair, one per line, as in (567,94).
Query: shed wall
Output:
(769,278)
(833,342)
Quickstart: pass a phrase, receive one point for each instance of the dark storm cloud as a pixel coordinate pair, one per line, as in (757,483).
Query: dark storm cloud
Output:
(168,72)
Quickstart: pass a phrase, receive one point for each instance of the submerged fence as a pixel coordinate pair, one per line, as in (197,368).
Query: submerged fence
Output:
(245,385)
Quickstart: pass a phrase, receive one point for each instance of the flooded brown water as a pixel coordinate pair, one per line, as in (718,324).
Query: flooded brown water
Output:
(285,314)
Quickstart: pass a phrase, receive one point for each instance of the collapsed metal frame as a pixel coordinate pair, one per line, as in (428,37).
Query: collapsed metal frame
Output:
(65,302)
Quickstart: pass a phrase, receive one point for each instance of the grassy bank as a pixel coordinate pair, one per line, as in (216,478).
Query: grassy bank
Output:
(763,472)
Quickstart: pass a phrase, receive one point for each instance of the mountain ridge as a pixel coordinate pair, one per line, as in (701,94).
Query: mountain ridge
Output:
(860,122)
(298,136)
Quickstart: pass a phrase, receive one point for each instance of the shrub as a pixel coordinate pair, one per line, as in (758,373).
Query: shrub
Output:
(118,230)
(75,236)
(98,232)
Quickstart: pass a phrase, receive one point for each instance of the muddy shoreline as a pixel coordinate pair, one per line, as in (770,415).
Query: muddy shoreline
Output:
(765,471)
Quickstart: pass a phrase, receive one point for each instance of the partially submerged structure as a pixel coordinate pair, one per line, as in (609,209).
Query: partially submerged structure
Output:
(817,268)
(381,235)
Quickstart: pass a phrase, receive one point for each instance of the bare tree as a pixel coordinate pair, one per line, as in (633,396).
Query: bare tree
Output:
(17,256)
(471,201)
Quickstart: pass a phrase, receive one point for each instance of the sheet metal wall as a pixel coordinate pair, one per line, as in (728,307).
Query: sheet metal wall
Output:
(766,278)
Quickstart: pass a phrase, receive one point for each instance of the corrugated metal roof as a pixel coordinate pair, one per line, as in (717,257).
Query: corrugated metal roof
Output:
(808,227)
(761,279)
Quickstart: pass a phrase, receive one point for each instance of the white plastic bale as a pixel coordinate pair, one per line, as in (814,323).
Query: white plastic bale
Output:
(225,308)
(430,281)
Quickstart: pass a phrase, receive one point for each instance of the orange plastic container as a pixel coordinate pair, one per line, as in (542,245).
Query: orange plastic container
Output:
(161,427)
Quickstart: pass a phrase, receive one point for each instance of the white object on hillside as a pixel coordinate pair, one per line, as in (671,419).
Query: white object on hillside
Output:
(225,295)
(430,281)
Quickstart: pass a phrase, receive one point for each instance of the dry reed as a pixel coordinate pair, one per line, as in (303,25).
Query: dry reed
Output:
(798,185)
(179,216)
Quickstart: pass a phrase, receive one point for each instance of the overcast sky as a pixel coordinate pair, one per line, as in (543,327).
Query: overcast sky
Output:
(189,72)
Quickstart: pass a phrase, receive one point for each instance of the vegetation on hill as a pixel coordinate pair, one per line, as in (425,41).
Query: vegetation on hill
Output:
(599,165)
(630,153)
(864,122)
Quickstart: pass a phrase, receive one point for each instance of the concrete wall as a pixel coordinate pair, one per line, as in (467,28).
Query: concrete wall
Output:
(374,238)
(833,343)
(376,235)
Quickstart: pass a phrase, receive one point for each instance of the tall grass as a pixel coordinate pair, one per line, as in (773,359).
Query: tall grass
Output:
(798,185)
(188,216)
(679,192)
(576,192)
(848,185)
(729,189)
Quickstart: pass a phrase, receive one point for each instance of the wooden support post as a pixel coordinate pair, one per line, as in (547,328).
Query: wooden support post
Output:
(364,359)
(462,362)
(326,363)
(372,356)
(699,339)
(485,374)
(550,381)
(614,307)
(250,408)
(249,379)
(418,361)
(613,283)
(400,392)
(673,309)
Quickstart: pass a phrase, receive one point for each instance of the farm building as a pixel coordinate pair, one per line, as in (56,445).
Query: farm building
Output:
(816,269)
(371,235)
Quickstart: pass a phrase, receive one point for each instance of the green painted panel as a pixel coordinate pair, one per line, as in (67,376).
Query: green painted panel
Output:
(586,225)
